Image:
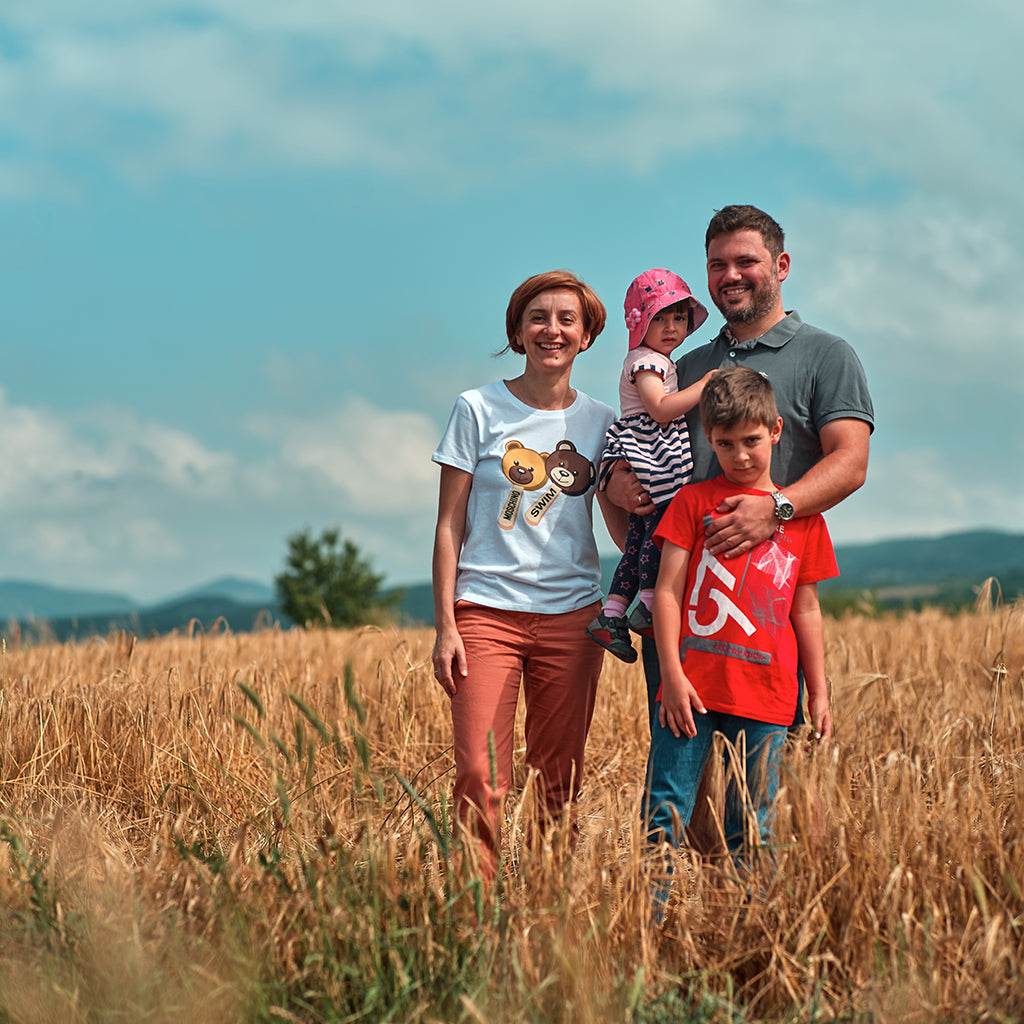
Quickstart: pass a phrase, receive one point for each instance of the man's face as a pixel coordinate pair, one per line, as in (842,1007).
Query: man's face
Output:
(743,279)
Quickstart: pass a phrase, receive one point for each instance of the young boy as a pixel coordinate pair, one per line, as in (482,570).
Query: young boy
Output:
(731,631)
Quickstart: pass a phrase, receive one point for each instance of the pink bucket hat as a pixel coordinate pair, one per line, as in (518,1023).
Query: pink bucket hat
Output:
(651,292)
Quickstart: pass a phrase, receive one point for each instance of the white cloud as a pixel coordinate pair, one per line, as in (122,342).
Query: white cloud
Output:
(82,460)
(377,460)
(106,499)
(916,93)
(924,286)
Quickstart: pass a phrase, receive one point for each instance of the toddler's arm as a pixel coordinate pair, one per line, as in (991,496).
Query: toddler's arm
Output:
(665,408)
(806,618)
(679,700)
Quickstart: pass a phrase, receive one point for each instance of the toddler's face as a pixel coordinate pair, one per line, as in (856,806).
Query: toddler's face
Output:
(667,330)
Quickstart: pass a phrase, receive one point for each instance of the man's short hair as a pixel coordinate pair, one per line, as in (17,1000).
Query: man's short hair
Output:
(747,218)
(737,395)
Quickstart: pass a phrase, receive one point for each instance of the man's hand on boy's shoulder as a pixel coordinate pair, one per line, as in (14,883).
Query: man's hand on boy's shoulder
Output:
(743,521)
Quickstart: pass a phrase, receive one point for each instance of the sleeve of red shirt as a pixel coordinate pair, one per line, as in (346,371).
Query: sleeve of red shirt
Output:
(679,523)
(818,561)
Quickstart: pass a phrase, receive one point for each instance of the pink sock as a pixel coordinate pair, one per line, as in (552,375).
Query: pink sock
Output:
(647,598)
(615,606)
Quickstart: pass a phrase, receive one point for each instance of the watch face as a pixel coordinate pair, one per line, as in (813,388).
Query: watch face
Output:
(783,508)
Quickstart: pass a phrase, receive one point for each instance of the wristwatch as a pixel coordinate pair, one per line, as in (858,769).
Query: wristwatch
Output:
(783,507)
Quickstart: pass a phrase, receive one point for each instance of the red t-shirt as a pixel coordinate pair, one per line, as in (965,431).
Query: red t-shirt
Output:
(737,643)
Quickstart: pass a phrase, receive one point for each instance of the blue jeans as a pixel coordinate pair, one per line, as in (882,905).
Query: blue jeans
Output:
(675,766)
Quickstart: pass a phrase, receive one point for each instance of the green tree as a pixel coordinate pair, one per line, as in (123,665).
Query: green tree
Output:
(326,582)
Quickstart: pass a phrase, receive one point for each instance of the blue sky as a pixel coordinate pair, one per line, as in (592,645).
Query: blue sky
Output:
(251,251)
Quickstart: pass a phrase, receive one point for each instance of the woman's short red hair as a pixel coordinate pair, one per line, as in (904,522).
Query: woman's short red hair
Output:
(594,313)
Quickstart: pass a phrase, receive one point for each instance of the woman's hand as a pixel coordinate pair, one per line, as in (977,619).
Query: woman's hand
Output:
(449,659)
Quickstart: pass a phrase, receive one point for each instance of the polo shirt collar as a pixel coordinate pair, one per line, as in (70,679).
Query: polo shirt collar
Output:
(774,337)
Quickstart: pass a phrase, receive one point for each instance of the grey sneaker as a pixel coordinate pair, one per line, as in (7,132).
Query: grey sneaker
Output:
(641,622)
(612,633)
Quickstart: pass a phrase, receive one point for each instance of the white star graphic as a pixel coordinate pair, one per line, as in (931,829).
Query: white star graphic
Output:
(778,563)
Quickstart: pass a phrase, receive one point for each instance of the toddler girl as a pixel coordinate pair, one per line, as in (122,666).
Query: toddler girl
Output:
(651,435)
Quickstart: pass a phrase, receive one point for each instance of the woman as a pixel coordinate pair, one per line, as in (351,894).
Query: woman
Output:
(516,573)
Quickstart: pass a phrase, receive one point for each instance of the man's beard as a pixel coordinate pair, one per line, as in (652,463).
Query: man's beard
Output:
(762,302)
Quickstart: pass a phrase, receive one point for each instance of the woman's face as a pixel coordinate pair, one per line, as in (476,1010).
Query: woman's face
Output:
(552,331)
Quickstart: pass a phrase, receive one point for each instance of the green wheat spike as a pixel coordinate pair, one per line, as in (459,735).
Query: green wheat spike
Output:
(311,716)
(253,696)
(251,730)
(282,797)
(350,693)
(441,835)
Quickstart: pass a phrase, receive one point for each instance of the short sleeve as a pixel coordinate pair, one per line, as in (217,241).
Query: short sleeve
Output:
(818,561)
(460,444)
(841,387)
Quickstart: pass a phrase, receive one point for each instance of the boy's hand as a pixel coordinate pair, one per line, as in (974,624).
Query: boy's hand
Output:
(821,717)
(679,700)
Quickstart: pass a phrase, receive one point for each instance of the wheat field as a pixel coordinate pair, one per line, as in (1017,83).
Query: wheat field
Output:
(219,827)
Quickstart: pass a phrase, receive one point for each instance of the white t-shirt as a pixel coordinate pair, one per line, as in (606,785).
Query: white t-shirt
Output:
(529,543)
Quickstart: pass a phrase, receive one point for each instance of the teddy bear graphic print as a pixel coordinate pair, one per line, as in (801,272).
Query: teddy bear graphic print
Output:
(562,471)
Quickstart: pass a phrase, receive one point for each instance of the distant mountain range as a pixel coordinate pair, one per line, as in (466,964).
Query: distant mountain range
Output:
(47,611)
(886,574)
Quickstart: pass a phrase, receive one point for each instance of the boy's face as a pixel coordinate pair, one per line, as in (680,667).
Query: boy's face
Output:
(745,452)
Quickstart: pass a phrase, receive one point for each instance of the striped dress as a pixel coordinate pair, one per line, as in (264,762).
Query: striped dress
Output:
(659,453)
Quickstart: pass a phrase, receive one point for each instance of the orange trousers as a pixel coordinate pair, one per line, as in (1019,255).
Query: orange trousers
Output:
(558,667)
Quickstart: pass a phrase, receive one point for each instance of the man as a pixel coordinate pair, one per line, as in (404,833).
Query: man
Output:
(819,385)
(818,380)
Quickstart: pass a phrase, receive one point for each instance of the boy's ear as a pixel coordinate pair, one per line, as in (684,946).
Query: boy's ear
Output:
(777,431)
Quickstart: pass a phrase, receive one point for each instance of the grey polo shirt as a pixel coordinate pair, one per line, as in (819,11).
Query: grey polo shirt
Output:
(816,377)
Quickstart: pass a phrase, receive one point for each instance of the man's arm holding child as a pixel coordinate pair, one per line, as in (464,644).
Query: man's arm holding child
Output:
(679,700)
(843,467)
(806,618)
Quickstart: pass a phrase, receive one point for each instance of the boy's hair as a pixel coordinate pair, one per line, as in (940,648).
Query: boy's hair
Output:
(594,313)
(747,218)
(737,395)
